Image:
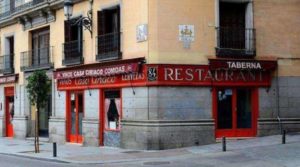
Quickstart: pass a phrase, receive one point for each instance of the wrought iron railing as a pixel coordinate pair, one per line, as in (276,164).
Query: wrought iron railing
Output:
(37,58)
(235,42)
(108,46)
(73,52)
(13,6)
(7,64)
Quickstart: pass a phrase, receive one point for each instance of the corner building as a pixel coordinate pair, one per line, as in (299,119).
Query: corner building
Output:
(151,74)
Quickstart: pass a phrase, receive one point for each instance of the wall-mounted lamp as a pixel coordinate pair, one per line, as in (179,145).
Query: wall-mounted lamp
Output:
(87,22)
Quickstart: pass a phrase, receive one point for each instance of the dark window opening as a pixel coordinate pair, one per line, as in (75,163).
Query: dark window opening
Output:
(234,38)
(112,106)
(232,24)
(108,39)
(40,54)
(7,60)
(73,46)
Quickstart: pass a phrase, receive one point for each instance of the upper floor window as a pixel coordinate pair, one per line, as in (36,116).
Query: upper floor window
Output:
(7,60)
(236,36)
(39,56)
(108,40)
(73,46)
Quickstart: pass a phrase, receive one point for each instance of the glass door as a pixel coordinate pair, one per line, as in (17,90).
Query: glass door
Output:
(75,115)
(9,111)
(235,112)
(9,116)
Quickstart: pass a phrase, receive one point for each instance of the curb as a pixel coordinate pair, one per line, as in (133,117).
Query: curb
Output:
(35,158)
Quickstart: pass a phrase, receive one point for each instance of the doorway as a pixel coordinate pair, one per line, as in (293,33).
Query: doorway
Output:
(9,111)
(75,113)
(110,118)
(235,112)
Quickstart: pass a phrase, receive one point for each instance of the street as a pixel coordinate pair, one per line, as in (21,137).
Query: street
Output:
(274,155)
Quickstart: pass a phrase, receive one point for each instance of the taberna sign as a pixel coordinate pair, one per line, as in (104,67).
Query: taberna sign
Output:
(242,64)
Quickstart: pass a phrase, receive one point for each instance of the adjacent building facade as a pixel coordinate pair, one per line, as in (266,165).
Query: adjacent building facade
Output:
(151,74)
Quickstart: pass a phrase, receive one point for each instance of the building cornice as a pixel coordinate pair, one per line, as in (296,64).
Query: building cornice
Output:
(33,11)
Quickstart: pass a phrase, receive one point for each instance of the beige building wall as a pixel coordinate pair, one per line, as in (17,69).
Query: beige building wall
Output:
(166,16)
(21,42)
(278,34)
(129,20)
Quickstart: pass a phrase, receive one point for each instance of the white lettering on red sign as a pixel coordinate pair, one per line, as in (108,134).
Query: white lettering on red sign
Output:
(97,72)
(244,65)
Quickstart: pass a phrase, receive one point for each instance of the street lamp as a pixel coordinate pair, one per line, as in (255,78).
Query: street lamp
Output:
(68,8)
(87,22)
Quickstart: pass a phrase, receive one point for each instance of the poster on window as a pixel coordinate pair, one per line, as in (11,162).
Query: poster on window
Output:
(112,113)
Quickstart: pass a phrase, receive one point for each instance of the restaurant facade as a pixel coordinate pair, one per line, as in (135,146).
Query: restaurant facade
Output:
(150,74)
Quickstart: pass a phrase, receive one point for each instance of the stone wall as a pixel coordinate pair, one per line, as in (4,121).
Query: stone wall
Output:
(57,130)
(57,123)
(279,106)
(166,117)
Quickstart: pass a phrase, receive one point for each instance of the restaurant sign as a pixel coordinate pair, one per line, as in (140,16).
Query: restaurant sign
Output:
(168,75)
(242,64)
(8,79)
(98,71)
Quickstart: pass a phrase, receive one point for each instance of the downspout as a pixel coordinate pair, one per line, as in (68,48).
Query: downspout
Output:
(277,100)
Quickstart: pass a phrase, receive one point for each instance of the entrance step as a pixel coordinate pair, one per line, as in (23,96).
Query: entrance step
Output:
(41,139)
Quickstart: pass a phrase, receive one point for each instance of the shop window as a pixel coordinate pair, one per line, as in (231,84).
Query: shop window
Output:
(112,108)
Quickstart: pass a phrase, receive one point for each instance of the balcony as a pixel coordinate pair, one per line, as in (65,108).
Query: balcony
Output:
(73,53)
(7,64)
(14,7)
(40,58)
(235,42)
(108,47)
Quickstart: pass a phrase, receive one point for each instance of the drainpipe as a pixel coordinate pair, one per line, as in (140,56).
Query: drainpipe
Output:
(277,100)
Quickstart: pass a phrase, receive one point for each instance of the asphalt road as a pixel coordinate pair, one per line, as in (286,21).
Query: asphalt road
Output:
(287,155)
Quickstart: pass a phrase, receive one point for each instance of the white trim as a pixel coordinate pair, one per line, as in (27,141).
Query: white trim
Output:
(217,20)
(237,1)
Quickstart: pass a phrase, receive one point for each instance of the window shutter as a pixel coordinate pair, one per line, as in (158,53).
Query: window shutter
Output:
(119,18)
(67,31)
(101,22)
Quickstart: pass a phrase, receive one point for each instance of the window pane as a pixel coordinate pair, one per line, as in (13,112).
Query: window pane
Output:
(80,113)
(73,114)
(112,110)
(224,108)
(244,118)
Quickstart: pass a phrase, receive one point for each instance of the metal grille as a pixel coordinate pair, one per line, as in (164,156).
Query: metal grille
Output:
(37,58)
(108,46)
(235,42)
(72,52)
(7,64)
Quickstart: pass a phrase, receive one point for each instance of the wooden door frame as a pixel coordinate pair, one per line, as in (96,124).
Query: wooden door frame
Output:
(102,112)
(235,132)
(79,138)
(9,92)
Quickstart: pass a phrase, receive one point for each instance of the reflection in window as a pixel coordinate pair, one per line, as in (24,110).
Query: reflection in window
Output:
(112,110)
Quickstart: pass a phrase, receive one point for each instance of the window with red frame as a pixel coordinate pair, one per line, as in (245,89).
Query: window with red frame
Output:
(112,109)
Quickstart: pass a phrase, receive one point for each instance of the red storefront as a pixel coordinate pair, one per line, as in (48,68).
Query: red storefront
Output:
(9,93)
(234,86)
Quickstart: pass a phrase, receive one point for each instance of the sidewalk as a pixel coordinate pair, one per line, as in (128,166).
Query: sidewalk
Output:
(103,155)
